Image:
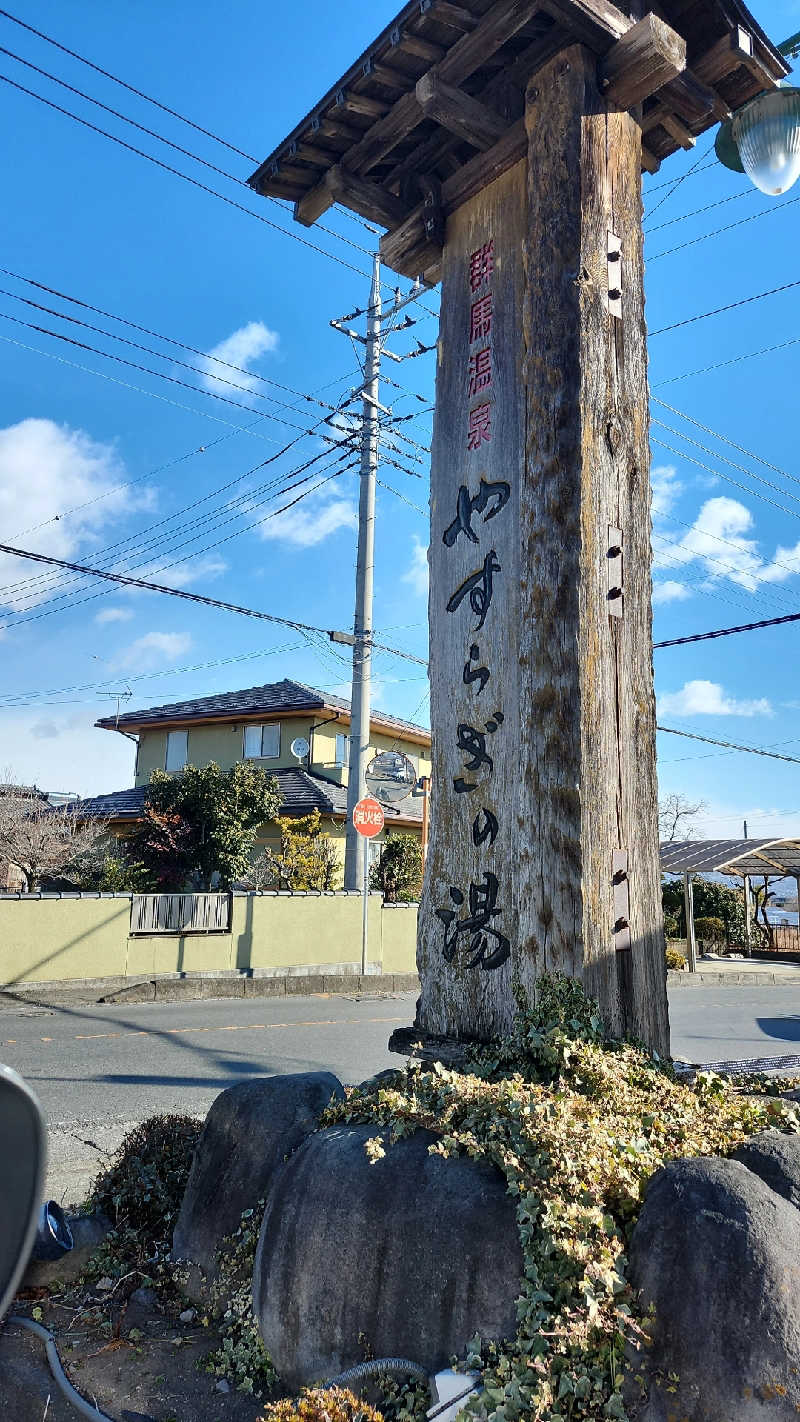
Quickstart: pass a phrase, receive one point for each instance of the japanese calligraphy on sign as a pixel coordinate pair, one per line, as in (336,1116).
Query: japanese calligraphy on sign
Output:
(471,918)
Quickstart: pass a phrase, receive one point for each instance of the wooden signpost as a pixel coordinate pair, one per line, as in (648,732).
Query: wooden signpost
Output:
(502,143)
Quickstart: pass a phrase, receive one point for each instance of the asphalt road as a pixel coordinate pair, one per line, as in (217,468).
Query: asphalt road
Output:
(99,1069)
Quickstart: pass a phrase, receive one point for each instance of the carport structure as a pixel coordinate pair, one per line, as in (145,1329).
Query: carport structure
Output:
(742,857)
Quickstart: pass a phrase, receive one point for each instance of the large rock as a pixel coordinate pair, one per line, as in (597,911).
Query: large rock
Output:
(247,1134)
(717,1252)
(775,1157)
(409,1256)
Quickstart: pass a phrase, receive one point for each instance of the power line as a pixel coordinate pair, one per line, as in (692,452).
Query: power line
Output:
(15,700)
(727,631)
(717,231)
(697,211)
(124,85)
(734,360)
(682,179)
(715,454)
(139,389)
(751,454)
(189,597)
(27,589)
(731,745)
(176,172)
(156,335)
(670,182)
(719,310)
(718,473)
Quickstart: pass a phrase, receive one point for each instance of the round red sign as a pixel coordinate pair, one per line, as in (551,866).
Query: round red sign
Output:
(368,817)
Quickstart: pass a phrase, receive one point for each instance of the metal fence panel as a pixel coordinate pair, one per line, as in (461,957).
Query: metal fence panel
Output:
(180,913)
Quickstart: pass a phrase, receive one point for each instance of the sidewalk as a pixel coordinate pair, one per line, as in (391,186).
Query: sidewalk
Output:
(756,972)
(185,987)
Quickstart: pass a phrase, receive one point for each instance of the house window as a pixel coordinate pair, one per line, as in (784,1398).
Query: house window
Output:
(342,748)
(262,742)
(177,750)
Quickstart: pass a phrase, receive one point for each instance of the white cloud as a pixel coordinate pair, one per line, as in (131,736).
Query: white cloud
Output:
(66,752)
(114,614)
(241,348)
(721,821)
(720,541)
(310,522)
(417,573)
(670,591)
(152,649)
(180,575)
(46,469)
(708,698)
(665,488)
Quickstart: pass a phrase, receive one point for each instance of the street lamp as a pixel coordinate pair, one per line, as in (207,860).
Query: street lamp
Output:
(762,139)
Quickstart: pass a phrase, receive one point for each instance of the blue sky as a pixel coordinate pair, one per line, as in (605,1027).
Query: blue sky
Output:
(90,219)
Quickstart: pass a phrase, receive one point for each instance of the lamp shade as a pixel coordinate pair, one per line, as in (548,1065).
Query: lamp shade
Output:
(767,135)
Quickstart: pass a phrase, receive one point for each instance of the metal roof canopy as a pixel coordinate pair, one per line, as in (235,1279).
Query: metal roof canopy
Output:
(433,110)
(732,856)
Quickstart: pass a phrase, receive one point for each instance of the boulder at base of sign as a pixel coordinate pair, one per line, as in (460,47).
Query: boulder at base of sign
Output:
(717,1254)
(409,1255)
(248,1132)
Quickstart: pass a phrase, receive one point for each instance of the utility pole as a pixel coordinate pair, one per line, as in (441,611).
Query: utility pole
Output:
(362,623)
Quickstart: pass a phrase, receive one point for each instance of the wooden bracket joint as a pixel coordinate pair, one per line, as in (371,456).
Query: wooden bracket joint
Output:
(614,566)
(620,885)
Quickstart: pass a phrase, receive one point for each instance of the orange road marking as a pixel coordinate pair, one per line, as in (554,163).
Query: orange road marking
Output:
(235,1027)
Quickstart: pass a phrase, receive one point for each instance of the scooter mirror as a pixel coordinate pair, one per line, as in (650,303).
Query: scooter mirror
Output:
(23,1158)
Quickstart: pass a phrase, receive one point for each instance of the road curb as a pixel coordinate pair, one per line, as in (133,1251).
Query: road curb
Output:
(683,978)
(197,986)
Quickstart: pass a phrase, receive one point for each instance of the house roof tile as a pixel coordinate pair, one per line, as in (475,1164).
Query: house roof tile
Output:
(302,792)
(269,699)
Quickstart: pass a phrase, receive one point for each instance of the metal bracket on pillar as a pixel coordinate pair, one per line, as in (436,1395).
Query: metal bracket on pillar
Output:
(614,564)
(614,256)
(621,888)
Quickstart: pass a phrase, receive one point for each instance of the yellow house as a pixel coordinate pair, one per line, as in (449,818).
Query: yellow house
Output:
(261,724)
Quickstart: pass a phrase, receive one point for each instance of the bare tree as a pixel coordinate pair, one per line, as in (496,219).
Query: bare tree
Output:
(39,839)
(675,815)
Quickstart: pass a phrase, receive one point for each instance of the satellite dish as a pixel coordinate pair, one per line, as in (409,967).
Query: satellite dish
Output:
(22,1173)
(300,748)
(390,777)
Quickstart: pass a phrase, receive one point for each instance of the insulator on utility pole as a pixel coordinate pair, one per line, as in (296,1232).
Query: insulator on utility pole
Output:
(355,858)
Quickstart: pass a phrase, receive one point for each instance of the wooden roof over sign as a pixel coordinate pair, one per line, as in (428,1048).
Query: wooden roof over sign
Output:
(433,109)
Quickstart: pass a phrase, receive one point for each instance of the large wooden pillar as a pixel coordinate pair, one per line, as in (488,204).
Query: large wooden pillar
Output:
(544,838)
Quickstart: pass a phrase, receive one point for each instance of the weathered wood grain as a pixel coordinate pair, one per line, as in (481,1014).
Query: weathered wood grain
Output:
(642,62)
(455,1000)
(573,775)
(455,110)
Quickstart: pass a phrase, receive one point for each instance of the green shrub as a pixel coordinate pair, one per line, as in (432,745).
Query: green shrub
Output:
(709,930)
(398,873)
(675,959)
(143,1187)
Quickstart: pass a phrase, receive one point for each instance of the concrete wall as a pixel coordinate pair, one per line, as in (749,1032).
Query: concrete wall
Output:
(47,938)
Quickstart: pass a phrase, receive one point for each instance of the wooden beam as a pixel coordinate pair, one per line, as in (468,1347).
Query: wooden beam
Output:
(420,48)
(454,109)
(363,105)
(642,62)
(678,130)
(693,101)
(402,248)
(650,163)
(368,199)
(504,19)
(728,53)
(453,15)
(596,23)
